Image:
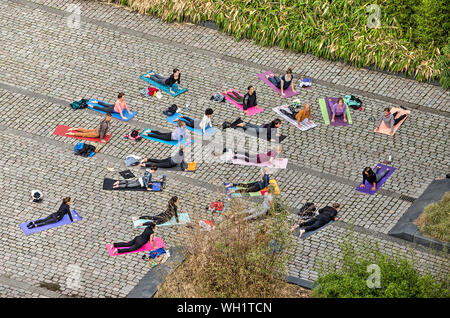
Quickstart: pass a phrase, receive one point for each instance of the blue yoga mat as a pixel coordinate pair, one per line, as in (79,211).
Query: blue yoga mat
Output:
(127,115)
(308,234)
(182,217)
(163,87)
(65,220)
(171,119)
(171,142)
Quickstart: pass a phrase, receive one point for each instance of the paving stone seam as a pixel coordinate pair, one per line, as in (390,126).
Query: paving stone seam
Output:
(29,288)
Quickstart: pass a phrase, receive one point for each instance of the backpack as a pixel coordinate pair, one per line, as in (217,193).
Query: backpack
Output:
(171,110)
(132,160)
(134,135)
(307,211)
(218,97)
(79,104)
(156,257)
(306,82)
(84,150)
(353,102)
(216,206)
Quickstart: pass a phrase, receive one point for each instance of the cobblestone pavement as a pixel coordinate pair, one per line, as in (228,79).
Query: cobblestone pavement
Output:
(45,65)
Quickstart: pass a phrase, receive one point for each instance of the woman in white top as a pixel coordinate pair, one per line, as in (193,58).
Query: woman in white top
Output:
(203,124)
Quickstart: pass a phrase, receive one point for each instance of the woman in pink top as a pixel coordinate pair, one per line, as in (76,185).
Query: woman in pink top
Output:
(118,107)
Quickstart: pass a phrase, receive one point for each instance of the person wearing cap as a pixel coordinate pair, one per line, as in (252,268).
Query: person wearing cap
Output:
(99,132)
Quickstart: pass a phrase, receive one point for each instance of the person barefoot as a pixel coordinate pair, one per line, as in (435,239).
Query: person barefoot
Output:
(301,233)
(149,74)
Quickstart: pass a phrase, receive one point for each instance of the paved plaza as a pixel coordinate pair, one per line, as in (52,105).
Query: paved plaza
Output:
(46,63)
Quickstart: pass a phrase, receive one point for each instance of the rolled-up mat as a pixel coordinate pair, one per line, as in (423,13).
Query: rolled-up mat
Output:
(108,185)
(164,88)
(288,92)
(309,233)
(125,113)
(171,119)
(383,129)
(61,130)
(182,217)
(304,125)
(368,187)
(171,142)
(280,163)
(327,114)
(251,111)
(157,243)
(65,220)
(251,194)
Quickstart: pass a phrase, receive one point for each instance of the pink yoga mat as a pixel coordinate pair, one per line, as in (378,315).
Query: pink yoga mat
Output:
(278,163)
(61,131)
(147,247)
(288,92)
(251,111)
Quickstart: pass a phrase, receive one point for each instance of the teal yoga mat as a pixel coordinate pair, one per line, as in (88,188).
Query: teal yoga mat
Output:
(164,88)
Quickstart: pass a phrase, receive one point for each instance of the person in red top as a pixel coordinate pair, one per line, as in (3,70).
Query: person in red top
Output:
(118,107)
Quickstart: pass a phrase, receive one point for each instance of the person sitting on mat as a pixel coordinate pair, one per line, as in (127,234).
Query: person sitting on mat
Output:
(143,182)
(118,107)
(325,215)
(173,161)
(137,242)
(299,116)
(169,81)
(339,109)
(252,186)
(203,124)
(284,82)
(176,135)
(272,127)
(372,176)
(259,158)
(249,99)
(171,211)
(389,119)
(64,209)
(99,132)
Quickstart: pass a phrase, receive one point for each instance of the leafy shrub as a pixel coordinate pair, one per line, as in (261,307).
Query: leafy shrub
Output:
(432,22)
(435,219)
(444,66)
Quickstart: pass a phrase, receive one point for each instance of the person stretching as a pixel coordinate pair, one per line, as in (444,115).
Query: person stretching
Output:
(252,186)
(143,182)
(118,107)
(373,177)
(272,128)
(249,99)
(99,132)
(284,82)
(325,215)
(389,119)
(176,135)
(265,207)
(339,109)
(299,116)
(137,242)
(169,81)
(171,211)
(54,217)
(259,158)
(203,124)
(176,160)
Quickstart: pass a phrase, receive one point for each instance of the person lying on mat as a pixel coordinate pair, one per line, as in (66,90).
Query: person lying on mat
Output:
(299,116)
(203,124)
(143,182)
(389,119)
(169,81)
(272,127)
(259,158)
(325,215)
(284,82)
(176,135)
(176,160)
(99,132)
(339,109)
(54,217)
(265,206)
(252,186)
(171,211)
(373,177)
(137,242)
(249,99)
(118,107)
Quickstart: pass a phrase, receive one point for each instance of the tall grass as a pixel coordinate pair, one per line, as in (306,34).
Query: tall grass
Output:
(435,219)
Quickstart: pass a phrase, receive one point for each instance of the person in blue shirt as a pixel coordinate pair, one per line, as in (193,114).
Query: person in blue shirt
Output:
(143,182)
(176,135)
(252,186)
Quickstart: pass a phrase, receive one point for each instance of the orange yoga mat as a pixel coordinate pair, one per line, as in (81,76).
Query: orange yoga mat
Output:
(383,129)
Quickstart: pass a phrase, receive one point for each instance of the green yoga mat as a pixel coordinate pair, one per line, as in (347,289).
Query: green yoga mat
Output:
(182,217)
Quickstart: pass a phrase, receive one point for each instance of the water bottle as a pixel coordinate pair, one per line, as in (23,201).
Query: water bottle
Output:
(187,108)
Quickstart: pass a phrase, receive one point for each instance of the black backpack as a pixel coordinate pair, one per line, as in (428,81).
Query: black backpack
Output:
(307,211)
(171,110)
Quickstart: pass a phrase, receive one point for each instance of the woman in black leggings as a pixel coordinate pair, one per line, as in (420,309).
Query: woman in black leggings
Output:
(252,186)
(176,160)
(171,211)
(137,242)
(176,135)
(54,217)
(169,81)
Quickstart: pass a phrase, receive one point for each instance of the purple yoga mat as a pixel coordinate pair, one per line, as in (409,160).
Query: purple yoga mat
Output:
(65,220)
(368,187)
(288,92)
(338,120)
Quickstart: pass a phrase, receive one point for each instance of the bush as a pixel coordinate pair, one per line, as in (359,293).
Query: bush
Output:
(435,219)
(444,66)
(346,277)
(432,23)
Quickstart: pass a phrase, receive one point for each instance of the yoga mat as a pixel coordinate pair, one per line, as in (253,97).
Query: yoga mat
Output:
(305,125)
(125,113)
(255,133)
(108,185)
(171,142)
(327,114)
(157,241)
(251,194)
(368,187)
(387,131)
(61,131)
(65,220)
(182,217)
(191,167)
(308,234)
(164,88)
(288,92)
(278,163)
(251,111)
(171,119)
